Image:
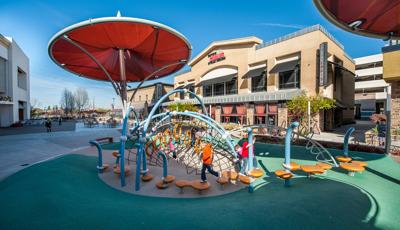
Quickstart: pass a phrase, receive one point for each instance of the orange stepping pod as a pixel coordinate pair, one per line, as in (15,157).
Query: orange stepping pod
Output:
(245,179)
(325,166)
(352,168)
(147,177)
(117,170)
(161,185)
(256,173)
(169,179)
(343,159)
(360,163)
(293,166)
(312,169)
(197,185)
(232,175)
(283,174)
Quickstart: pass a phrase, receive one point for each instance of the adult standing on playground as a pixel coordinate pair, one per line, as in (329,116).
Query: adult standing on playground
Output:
(207,163)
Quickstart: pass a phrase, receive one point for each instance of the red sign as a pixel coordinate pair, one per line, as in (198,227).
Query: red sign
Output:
(215,57)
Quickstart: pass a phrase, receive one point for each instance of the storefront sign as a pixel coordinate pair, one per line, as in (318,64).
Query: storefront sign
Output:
(323,64)
(216,57)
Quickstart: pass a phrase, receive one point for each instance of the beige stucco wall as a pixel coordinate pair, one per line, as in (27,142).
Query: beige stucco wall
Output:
(305,47)
(391,66)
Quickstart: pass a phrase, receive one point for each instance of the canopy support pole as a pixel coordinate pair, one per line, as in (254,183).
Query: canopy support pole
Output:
(125,114)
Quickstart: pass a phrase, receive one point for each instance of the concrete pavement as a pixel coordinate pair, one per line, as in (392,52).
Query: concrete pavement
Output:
(19,151)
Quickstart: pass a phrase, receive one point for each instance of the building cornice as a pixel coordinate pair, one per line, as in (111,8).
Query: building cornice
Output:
(213,45)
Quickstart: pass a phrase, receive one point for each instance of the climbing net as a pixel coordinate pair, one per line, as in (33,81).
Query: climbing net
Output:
(183,140)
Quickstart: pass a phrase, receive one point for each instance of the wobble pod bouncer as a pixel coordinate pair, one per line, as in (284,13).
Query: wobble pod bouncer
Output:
(345,158)
(287,164)
(100,165)
(166,179)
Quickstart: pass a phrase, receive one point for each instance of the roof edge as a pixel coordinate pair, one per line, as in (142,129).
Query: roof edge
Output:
(243,40)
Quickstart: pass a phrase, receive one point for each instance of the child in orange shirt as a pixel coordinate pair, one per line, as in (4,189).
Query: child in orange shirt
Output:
(207,163)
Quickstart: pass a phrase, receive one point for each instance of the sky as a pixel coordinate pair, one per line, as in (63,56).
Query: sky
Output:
(32,24)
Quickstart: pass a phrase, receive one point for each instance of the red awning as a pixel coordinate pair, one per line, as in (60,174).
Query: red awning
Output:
(148,46)
(365,17)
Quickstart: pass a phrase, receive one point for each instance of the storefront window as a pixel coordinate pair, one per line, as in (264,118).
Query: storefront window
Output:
(219,89)
(207,90)
(231,86)
(191,89)
(258,83)
(289,79)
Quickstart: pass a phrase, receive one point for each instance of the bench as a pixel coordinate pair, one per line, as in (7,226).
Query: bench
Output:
(182,184)
(105,139)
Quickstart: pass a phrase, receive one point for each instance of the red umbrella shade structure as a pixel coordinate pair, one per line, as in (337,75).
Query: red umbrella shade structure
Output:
(373,18)
(119,50)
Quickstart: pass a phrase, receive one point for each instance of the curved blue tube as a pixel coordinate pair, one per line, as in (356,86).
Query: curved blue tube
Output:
(165,163)
(100,152)
(288,137)
(346,141)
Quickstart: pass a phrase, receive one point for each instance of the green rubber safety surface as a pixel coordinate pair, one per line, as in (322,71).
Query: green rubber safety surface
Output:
(66,193)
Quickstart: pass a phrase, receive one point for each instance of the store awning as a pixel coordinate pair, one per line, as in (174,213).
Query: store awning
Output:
(218,75)
(284,66)
(255,71)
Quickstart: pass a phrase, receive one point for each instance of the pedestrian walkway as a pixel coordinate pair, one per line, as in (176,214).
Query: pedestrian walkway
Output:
(19,151)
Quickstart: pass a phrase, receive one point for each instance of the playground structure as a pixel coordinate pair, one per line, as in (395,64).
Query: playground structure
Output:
(153,51)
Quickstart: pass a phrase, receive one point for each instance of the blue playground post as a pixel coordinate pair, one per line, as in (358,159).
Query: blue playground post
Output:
(251,156)
(346,141)
(165,164)
(288,138)
(122,147)
(100,158)
(251,153)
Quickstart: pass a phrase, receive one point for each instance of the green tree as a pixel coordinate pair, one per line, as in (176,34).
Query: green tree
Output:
(181,107)
(298,106)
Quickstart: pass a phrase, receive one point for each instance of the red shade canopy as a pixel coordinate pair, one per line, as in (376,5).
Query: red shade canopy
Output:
(373,18)
(147,47)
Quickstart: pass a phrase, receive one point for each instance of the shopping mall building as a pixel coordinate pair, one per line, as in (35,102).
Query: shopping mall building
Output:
(249,81)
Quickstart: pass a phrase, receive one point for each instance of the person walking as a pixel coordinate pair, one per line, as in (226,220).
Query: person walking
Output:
(381,126)
(59,121)
(207,159)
